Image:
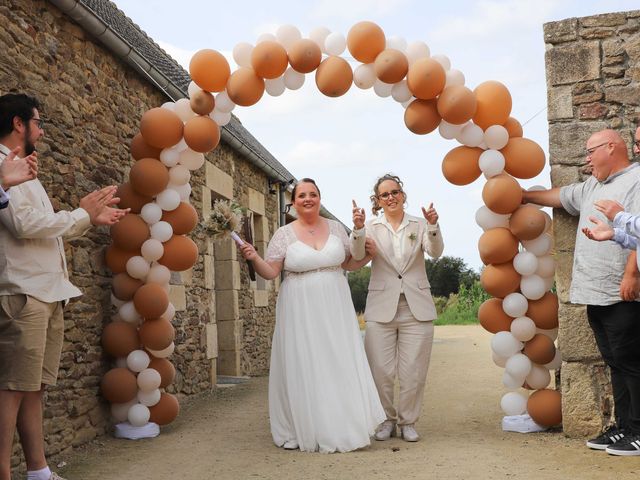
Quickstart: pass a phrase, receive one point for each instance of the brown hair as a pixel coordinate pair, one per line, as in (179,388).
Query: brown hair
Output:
(295,187)
(375,205)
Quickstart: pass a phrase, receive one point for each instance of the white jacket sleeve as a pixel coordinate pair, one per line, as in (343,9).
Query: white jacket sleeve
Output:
(356,246)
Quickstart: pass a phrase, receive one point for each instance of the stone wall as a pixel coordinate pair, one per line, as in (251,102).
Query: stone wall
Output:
(593,81)
(92,103)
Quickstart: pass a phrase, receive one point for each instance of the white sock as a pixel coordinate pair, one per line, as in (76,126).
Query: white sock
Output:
(42,474)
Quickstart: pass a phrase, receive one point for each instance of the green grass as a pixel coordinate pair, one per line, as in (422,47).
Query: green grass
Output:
(460,308)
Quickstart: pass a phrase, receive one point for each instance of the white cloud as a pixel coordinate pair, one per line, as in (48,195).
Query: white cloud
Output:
(356,8)
(308,153)
(183,56)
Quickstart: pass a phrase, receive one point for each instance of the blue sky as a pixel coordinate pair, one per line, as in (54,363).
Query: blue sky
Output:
(346,143)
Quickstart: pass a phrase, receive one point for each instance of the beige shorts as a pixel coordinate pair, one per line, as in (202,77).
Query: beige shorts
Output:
(31,335)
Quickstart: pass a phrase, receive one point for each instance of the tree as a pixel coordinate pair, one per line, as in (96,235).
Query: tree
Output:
(359,284)
(446,274)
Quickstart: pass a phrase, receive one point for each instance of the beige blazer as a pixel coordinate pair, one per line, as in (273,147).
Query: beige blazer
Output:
(390,278)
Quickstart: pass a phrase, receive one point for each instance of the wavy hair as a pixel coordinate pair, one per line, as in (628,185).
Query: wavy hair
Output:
(375,204)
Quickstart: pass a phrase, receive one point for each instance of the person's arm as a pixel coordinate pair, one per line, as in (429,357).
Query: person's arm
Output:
(358,233)
(630,284)
(267,270)
(432,242)
(547,198)
(14,170)
(627,222)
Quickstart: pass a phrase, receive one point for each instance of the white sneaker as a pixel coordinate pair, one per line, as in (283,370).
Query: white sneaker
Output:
(409,433)
(291,445)
(386,430)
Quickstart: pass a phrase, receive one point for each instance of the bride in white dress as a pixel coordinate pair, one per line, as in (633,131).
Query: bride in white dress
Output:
(321,393)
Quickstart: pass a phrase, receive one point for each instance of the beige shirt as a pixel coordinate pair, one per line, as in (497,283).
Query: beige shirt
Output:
(32,259)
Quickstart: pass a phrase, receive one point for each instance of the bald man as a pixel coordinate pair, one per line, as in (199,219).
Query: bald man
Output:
(606,279)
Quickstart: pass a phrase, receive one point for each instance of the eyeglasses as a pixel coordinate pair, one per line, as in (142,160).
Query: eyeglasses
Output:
(637,144)
(394,193)
(39,122)
(590,151)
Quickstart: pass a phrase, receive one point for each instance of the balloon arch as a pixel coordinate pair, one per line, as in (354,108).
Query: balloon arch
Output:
(151,241)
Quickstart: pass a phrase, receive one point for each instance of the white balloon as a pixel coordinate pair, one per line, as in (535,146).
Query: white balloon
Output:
(149,379)
(152,250)
(169,313)
(513,403)
(138,360)
(539,246)
(417,51)
(224,103)
(163,353)
(287,35)
(181,146)
(319,35)
(179,175)
(442,60)
(551,333)
(168,200)
(407,103)
(532,287)
(364,76)
(400,92)
(128,313)
(518,366)
(397,43)
(138,415)
(242,55)
(149,399)
(119,411)
(498,360)
(547,221)
(275,86)
(266,37)
(523,328)
(510,381)
(335,43)
(556,363)
(525,263)
(193,88)
(192,160)
(539,377)
(183,190)
(169,106)
(159,274)
(221,118)
(183,109)
(515,305)
(454,78)
(491,162)
(546,266)
(382,89)
(496,137)
(138,267)
(161,231)
(116,302)
(471,135)
(293,80)
(504,344)
(448,130)
(151,213)
(170,156)
(486,219)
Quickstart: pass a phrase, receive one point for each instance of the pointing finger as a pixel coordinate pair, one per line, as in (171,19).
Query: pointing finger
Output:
(355,205)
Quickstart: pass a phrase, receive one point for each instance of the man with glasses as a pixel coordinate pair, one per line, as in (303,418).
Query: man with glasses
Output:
(34,286)
(606,279)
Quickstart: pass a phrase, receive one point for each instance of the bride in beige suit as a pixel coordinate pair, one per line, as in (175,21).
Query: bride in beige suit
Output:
(400,310)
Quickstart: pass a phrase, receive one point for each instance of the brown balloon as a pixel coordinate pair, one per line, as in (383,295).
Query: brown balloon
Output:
(180,253)
(210,70)
(426,78)
(124,286)
(540,349)
(544,311)
(523,158)
(269,59)
(166,370)
(151,301)
(527,222)
(334,76)
(119,385)
(161,128)
(497,245)
(461,165)
(244,87)
(513,127)
(140,149)
(183,219)
(166,410)
(116,259)
(365,41)
(156,334)
(391,66)
(457,104)
(492,317)
(545,407)
(502,194)
(129,198)
(202,102)
(421,116)
(500,280)
(201,134)
(130,232)
(149,177)
(494,104)
(120,338)
(304,55)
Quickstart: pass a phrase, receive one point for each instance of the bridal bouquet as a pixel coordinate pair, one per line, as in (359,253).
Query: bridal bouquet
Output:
(225,219)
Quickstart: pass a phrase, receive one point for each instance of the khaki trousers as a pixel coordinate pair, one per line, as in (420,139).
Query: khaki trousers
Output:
(402,346)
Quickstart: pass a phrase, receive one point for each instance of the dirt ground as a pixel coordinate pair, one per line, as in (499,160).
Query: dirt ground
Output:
(225,435)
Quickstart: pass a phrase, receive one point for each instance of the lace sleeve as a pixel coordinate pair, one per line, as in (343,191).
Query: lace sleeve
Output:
(277,248)
(338,230)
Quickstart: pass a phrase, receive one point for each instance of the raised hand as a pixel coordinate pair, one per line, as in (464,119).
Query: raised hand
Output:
(97,205)
(14,171)
(600,232)
(609,208)
(430,214)
(370,247)
(358,216)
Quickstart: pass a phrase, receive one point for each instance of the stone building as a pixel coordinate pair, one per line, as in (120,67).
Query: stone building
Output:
(593,80)
(96,73)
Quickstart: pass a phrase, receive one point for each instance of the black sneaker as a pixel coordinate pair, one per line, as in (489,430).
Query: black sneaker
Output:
(607,438)
(628,446)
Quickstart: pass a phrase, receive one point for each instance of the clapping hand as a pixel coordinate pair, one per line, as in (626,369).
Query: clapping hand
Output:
(609,208)
(98,205)
(14,170)
(600,232)
(430,214)
(358,216)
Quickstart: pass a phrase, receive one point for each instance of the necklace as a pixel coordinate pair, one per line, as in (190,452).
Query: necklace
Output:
(312,232)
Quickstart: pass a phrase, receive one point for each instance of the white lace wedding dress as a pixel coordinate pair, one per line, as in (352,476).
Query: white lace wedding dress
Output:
(321,392)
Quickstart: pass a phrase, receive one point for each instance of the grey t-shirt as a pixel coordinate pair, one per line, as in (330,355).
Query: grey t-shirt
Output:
(598,266)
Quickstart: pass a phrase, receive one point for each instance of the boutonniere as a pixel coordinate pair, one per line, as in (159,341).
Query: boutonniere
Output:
(412,237)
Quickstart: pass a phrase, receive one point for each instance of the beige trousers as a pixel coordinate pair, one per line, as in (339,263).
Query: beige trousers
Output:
(402,346)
